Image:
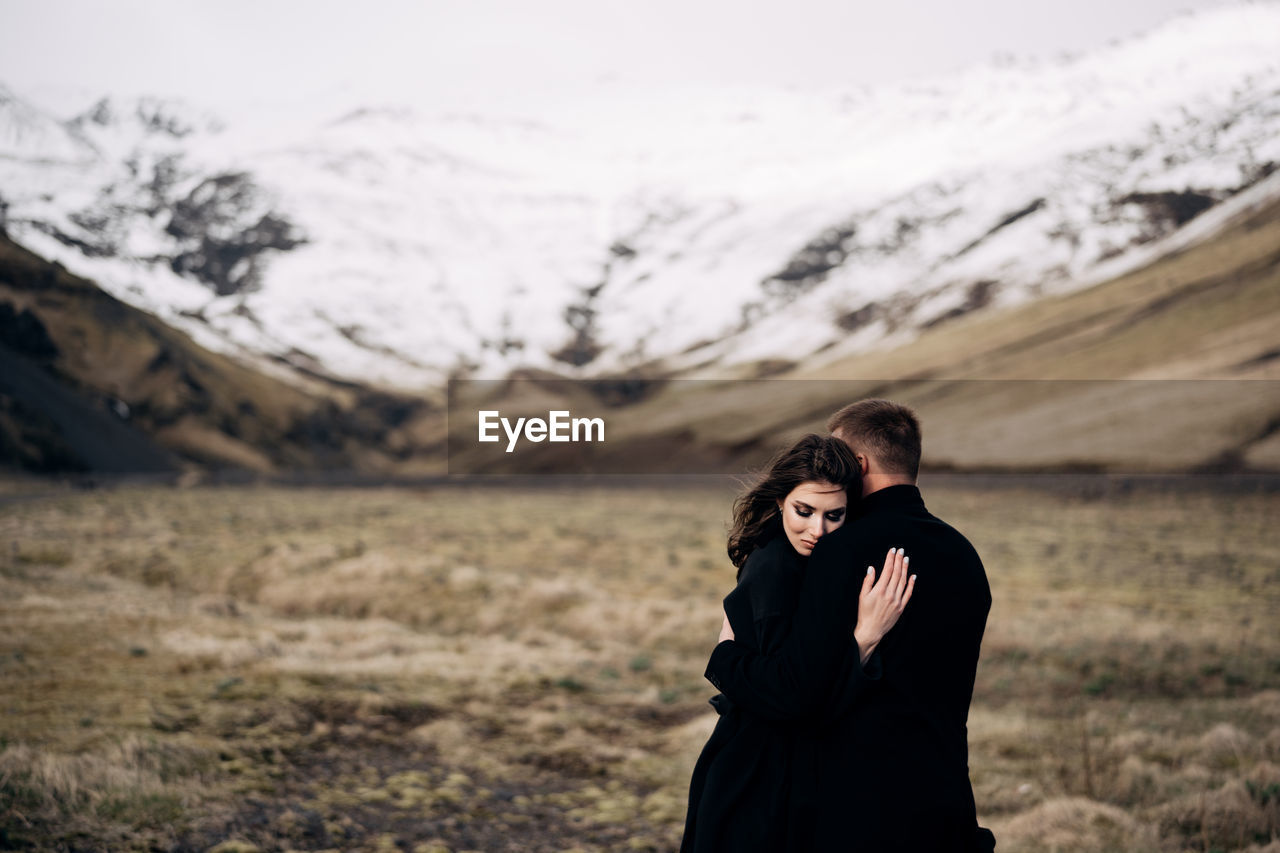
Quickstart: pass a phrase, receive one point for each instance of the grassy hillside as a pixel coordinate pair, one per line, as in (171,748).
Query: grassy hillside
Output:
(1174,367)
(106,365)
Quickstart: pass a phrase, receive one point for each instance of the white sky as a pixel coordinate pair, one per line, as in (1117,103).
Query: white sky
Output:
(233,55)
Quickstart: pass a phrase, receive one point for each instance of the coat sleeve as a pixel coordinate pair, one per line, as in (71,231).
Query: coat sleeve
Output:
(792,682)
(767,578)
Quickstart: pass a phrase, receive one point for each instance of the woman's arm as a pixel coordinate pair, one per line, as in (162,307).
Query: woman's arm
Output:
(793,682)
(880,605)
(772,583)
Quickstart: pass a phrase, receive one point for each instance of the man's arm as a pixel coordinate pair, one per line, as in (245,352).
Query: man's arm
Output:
(793,682)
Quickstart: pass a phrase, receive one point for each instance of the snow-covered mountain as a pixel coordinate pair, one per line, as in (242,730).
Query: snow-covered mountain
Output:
(692,229)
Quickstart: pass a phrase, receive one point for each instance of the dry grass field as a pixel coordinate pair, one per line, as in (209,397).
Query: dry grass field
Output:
(520,668)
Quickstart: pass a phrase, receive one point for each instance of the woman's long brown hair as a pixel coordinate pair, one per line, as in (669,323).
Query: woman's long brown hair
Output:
(814,458)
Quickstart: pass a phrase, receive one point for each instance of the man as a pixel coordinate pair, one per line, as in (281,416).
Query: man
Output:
(891,775)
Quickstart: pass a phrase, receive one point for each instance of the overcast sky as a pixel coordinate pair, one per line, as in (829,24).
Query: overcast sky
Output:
(235,54)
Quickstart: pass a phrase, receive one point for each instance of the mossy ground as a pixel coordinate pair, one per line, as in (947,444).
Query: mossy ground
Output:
(479,668)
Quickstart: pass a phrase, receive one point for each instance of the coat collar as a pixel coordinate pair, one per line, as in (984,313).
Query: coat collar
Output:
(891,498)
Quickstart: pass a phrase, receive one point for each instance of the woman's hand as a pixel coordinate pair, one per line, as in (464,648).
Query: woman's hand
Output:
(882,601)
(726,630)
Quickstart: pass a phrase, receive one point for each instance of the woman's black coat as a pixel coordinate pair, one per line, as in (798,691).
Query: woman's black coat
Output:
(897,766)
(742,782)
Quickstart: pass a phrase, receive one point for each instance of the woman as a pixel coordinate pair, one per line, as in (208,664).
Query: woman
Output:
(738,794)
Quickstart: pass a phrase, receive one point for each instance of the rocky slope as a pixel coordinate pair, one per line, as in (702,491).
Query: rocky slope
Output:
(91,384)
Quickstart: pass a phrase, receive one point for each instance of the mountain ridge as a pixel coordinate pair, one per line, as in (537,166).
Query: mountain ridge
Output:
(681,235)
(1153,368)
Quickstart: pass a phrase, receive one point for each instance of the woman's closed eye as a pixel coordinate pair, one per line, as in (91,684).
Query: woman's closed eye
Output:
(805,512)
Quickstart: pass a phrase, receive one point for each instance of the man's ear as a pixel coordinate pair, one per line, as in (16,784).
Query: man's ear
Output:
(863,465)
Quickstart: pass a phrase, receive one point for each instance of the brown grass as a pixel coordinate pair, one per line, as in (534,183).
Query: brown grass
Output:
(520,668)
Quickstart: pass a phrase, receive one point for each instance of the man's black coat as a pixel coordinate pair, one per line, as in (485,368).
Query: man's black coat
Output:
(893,774)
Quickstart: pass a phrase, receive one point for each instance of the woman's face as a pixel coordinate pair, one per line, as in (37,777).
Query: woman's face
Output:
(811,511)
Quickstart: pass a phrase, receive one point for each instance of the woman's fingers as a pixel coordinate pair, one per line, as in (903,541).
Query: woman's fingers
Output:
(895,582)
(896,576)
(886,574)
(893,573)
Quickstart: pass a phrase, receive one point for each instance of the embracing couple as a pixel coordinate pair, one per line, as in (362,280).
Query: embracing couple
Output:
(844,690)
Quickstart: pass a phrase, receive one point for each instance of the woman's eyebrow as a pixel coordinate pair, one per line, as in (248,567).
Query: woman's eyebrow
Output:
(803,505)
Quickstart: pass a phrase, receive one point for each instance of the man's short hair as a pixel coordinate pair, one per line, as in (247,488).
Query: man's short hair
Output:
(888,431)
